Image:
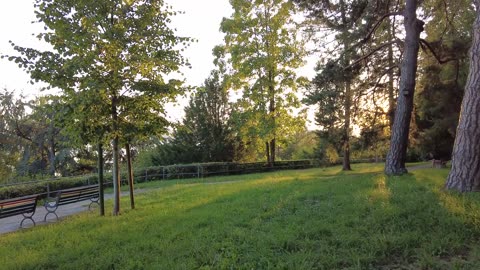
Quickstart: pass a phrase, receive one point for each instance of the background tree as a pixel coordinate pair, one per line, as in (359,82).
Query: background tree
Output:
(206,132)
(263,50)
(443,76)
(116,51)
(343,22)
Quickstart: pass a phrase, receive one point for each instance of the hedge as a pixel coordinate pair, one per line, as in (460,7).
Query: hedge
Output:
(199,170)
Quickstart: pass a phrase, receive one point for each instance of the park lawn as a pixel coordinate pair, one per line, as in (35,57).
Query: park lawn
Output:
(306,219)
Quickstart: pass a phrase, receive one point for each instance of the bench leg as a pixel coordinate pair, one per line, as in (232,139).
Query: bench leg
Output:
(49,212)
(25,218)
(92,202)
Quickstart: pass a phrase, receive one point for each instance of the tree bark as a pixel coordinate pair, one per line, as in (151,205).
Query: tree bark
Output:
(272,152)
(348,93)
(391,89)
(396,157)
(346,143)
(465,173)
(130,175)
(271,109)
(100,180)
(116,170)
(267,149)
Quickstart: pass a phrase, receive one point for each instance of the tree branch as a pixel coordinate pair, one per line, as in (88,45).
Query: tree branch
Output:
(425,45)
(372,52)
(375,26)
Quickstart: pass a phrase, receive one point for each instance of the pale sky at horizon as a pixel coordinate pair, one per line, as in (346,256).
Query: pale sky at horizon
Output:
(200,21)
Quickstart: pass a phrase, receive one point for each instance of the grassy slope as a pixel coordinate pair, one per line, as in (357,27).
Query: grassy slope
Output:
(318,218)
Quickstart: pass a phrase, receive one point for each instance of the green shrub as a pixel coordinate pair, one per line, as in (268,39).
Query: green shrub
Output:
(156,173)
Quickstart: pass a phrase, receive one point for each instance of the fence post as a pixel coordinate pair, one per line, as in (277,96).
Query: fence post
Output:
(163,173)
(48,190)
(198,171)
(146,175)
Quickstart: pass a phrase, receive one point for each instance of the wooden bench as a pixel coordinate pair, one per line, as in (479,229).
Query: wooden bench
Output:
(72,195)
(23,205)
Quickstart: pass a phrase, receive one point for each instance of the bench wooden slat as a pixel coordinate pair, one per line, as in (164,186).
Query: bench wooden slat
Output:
(23,205)
(72,195)
(16,211)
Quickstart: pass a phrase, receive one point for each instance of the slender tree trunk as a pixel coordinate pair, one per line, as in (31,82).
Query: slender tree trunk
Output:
(271,90)
(348,93)
(130,175)
(100,180)
(272,151)
(51,157)
(51,148)
(465,173)
(267,149)
(346,131)
(395,163)
(116,169)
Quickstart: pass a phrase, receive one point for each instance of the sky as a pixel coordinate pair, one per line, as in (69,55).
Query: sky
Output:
(200,21)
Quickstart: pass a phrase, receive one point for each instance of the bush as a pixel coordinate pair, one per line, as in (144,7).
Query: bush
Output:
(156,173)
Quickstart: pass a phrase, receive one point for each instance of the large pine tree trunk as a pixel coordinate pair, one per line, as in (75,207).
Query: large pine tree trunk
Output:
(395,163)
(465,173)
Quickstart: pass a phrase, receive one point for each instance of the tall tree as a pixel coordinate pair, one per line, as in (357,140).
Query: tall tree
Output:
(206,132)
(465,173)
(396,157)
(443,77)
(114,53)
(342,20)
(262,46)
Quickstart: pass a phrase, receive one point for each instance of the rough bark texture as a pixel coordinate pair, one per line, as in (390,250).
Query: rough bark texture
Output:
(116,169)
(396,157)
(465,173)
(100,180)
(348,93)
(130,175)
(346,143)
(391,79)
(267,150)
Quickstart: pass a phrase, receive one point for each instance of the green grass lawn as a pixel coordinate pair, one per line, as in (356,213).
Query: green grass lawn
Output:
(308,219)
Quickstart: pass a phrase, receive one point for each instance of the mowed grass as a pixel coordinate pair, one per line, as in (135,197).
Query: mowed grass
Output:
(307,219)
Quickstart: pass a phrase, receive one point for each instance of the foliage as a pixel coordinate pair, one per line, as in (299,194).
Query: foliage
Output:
(299,146)
(441,85)
(261,51)
(146,174)
(32,143)
(314,219)
(110,59)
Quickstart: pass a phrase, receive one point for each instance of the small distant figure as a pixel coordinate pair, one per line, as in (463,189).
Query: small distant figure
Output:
(438,163)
